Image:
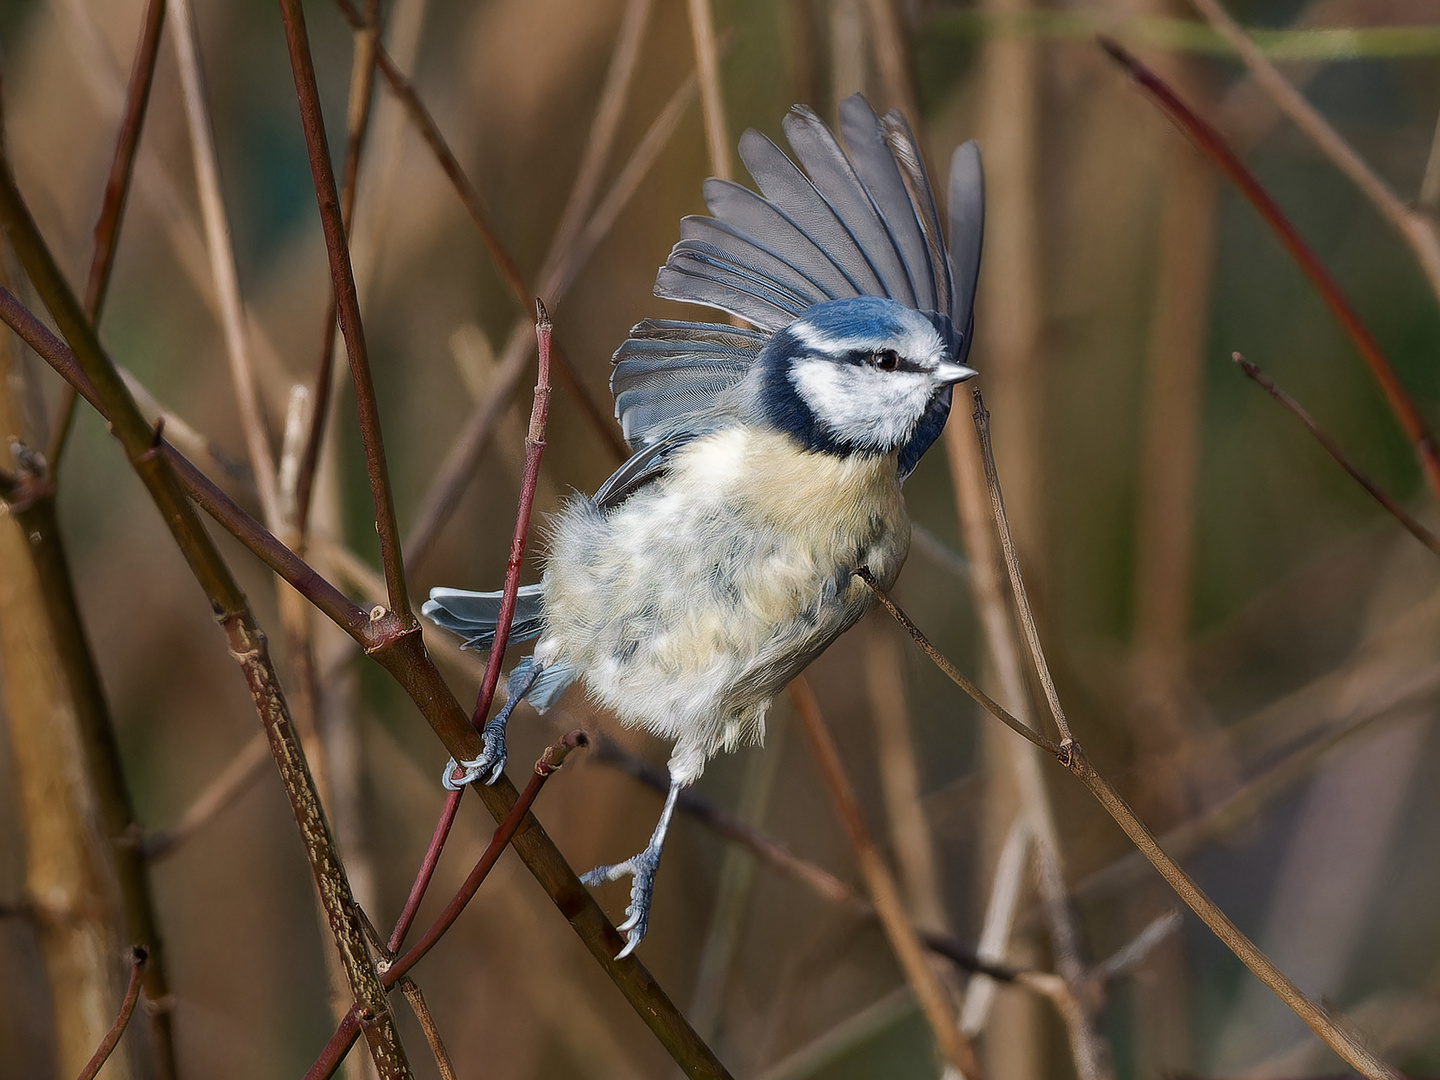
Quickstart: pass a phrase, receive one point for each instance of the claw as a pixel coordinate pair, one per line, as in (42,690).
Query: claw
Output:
(642,869)
(489,765)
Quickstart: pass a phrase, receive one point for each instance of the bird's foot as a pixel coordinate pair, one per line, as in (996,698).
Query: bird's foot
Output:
(488,766)
(642,869)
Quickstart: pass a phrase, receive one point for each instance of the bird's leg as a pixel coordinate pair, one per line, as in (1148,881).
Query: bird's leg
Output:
(491,762)
(642,869)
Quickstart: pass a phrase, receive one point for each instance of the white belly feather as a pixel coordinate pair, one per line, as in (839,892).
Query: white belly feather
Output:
(690,605)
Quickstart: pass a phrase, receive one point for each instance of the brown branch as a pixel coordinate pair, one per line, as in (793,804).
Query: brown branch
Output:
(362,85)
(122,1021)
(1325,439)
(980,697)
(221,252)
(712,101)
(1214,146)
(981,417)
(534,450)
(112,205)
(425,124)
(141,445)
(416,999)
(227,786)
(934,1001)
(343,280)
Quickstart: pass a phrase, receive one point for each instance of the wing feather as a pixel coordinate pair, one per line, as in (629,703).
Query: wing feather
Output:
(875,164)
(833,176)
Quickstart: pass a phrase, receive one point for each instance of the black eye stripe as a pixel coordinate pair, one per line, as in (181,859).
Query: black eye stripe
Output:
(867,358)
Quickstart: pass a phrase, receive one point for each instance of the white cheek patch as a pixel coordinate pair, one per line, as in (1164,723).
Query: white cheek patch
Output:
(861,405)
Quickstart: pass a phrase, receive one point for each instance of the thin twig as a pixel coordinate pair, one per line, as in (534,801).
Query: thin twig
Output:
(222,260)
(712,102)
(1012,566)
(342,278)
(1019,727)
(1214,146)
(112,205)
(534,450)
(362,83)
(427,870)
(1078,765)
(934,1001)
(427,1024)
(425,124)
(1027,781)
(1416,229)
(1325,439)
(228,785)
(107,1045)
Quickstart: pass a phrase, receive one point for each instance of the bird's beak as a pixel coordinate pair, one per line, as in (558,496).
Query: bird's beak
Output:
(947,374)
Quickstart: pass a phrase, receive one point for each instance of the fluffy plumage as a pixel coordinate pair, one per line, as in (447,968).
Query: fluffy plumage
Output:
(719,561)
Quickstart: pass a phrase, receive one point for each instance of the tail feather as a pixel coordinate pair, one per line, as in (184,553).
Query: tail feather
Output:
(474,615)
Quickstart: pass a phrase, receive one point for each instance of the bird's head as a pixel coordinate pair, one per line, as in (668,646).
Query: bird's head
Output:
(857,376)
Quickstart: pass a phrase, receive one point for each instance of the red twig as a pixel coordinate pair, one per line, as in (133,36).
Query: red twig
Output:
(427,870)
(534,448)
(349,1028)
(343,279)
(1213,146)
(1323,437)
(112,205)
(138,956)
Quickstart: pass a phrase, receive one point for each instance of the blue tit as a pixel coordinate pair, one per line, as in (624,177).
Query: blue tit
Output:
(720,560)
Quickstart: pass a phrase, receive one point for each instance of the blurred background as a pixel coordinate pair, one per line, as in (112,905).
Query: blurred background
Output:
(1246,643)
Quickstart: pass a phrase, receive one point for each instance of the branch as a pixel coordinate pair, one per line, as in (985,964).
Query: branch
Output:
(1213,146)
(122,1021)
(112,205)
(222,260)
(934,1001)
(343,279)
(1325,439)
(362,84)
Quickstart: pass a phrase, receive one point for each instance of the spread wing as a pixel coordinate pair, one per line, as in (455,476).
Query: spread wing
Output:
(830,222)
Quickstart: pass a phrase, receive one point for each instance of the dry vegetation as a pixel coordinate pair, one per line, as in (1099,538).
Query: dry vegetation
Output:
(1244,640)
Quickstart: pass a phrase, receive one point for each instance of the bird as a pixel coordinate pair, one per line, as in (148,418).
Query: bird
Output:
(721,559)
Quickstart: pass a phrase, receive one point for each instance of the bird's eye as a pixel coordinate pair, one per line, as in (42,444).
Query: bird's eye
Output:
(886,359)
